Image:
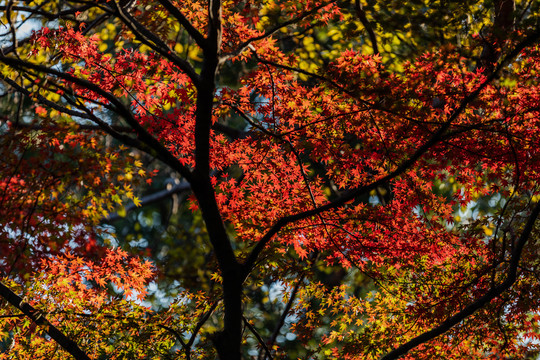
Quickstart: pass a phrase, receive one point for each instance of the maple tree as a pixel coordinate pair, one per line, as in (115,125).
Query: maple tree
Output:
(346,182)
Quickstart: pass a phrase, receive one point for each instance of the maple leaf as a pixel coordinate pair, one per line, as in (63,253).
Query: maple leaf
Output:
(41,111)
(268,165)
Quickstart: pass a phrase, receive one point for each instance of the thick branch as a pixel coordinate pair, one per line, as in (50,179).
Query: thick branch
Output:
(202,186)
(228,341)
(502,26)
(83,127)
(67,344)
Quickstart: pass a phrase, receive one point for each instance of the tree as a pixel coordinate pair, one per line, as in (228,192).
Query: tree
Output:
(367,190)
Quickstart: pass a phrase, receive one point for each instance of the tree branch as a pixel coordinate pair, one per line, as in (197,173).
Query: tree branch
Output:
(258,337)
(201,322)
(155,43)
(177,335)
(243,46)
(285,313)
(45,14)
(51,17)
(405,165)
(194,33)
(84,127)
(42,99)
(153,146)
(150,199)
(493,293)
(363,19)
(67,344)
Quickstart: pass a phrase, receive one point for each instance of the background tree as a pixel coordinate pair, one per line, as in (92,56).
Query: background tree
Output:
(307,179)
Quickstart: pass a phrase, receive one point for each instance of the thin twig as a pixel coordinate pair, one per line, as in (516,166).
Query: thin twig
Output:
(258,337)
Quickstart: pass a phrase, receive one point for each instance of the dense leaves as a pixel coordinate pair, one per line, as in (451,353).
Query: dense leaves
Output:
(317,180)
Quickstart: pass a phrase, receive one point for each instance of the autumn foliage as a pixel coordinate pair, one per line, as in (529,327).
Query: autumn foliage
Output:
(341,186)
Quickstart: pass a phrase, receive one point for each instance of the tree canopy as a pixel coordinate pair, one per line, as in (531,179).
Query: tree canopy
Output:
(269,179)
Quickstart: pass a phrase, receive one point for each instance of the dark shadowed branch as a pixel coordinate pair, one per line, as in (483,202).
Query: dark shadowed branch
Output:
(67,344)
(470,309)
(150,199)
(173,10)
(363,19)
(145,141)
